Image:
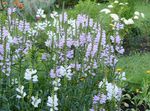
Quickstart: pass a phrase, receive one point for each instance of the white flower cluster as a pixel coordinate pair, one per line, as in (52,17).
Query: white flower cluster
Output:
(54,14)
(40,13)
(112,90)
(137,15)
(51,38)
(35,101)
(40,25)
(53,102)
(21,93)
(30,74)
(127,21)
(56,84)
(32,32)
(65,71)
(121,76)
(115,17)
(105,10)
(14,81)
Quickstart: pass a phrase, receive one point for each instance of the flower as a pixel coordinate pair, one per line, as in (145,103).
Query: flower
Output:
(35,78)
(30,75)
(123,76)
(106,11)
(128,22)
(136,17)
(115,17)
(54,14)
(53,102)
(40,13)
(14,81)
(137,13)
(113,91)
(96,99)
(148,71)
(56,83)
(61,72)
(35,101)
(116,1)
(63,17)
(21,94)
(118,69)
(103,99)
(11,10)
(142,15)
(110,6)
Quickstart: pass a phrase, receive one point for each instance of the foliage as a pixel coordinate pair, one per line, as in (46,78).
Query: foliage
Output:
(67,3)
(135,66)
(87,7)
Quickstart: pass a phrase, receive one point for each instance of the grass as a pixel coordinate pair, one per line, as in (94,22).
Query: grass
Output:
(135,67)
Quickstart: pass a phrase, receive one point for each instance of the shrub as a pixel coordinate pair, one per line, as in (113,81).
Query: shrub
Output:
(87,7)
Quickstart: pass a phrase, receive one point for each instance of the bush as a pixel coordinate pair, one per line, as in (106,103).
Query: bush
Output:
(87,7)
(67,3)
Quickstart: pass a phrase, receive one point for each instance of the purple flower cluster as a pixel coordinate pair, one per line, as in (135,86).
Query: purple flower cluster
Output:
(99,99)
(23,26)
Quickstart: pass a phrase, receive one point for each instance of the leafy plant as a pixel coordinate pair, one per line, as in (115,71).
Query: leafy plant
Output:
(88,7)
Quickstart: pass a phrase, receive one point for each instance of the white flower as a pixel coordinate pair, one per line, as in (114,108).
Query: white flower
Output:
(41,25)
(113,91)
(65,71)
(32,32)
(52,36)
(100,84)
(53,102)
(21,94)
(48,43)
(128,22)
(35,78)
(115,17)
(106,11)
(14,81)
(35,101)
(110,6)
(69,73)
(137,13)
(54,14)
(56,84)
(40,13)
(30,75)
(136,17)
(62,71)
(72,22)
(116,1)
(121,4)
(123,76)
(142,15)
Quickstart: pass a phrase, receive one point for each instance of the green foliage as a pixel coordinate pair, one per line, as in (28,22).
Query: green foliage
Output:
(135,67)
(87,7)
(67,2)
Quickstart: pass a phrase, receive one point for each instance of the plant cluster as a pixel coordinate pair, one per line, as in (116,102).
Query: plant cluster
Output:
(60,63)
